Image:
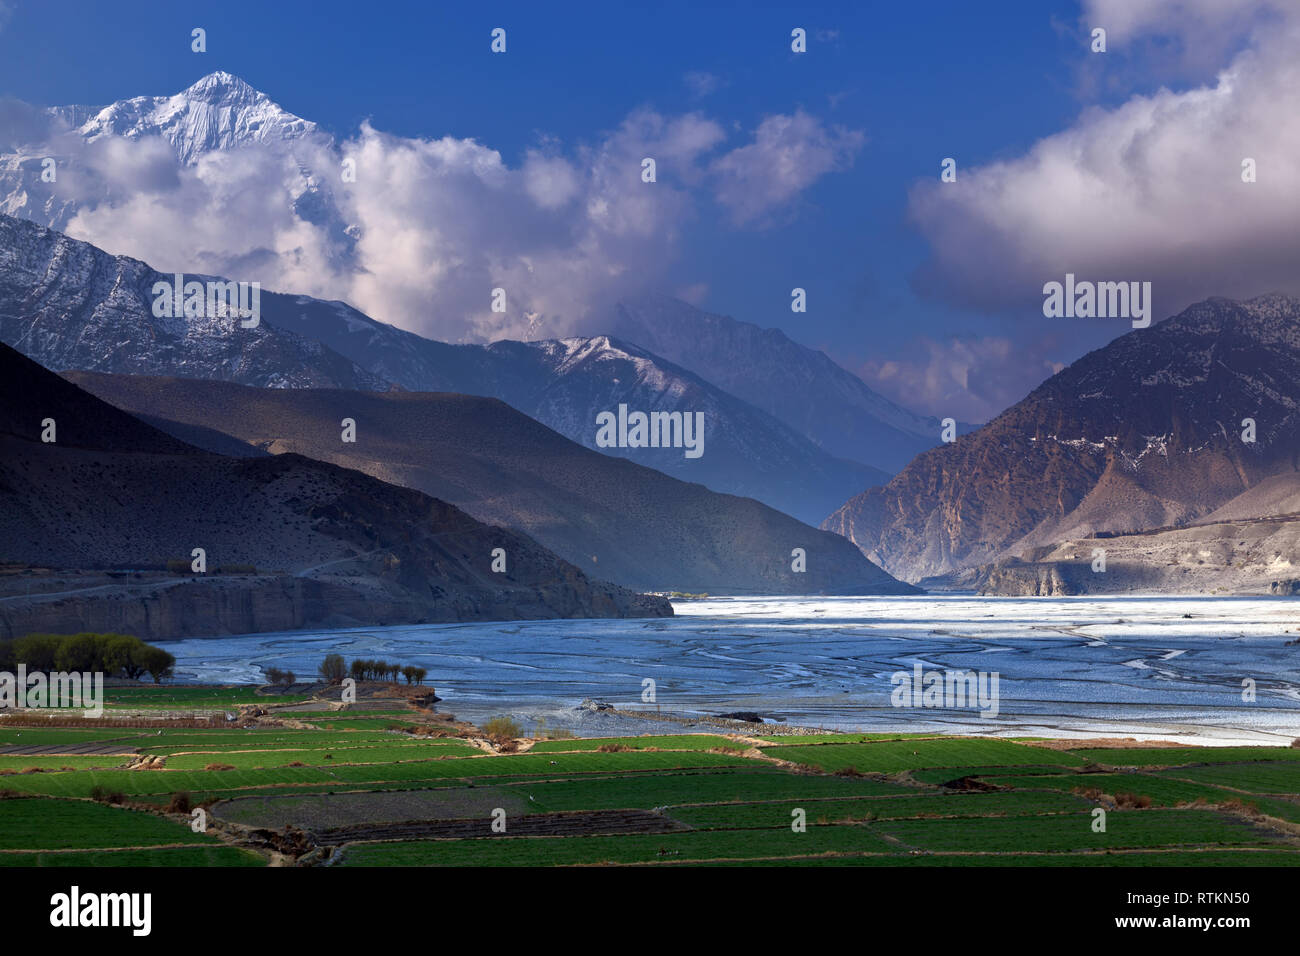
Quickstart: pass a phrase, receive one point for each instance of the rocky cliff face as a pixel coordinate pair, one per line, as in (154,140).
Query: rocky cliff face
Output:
(112,493)
(1251,556)
(1144,433)
(159,607)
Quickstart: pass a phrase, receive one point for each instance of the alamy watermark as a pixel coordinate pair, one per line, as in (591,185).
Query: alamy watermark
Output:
(1098,300)
(74,909)
(947,690)
(652,430)
(213,299)
(60,689)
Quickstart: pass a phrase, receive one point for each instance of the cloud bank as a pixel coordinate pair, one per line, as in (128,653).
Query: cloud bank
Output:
(418,232)
(1149,190)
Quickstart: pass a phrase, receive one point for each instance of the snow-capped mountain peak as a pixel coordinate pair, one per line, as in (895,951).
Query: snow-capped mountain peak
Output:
(219,111)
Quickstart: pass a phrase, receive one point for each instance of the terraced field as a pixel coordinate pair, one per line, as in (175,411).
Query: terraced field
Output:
(356,789)
(41,832)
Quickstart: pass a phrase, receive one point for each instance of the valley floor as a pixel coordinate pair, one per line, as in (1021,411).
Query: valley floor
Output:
(386,783)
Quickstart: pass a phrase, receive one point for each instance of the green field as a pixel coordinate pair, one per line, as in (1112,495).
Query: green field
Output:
(635,848)
(377,796)
(43,832)
(192,698)
(680,742)
(224,856)
(79,824)
(891,756)
(1181,756)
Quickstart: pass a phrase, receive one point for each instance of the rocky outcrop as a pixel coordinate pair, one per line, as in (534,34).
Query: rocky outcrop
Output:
(1257,556)
(1144,433)
(161,607)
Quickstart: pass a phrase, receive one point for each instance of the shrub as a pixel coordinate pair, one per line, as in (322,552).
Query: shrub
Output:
(180,803)
(1132,800)
(279,678)
(332,669)
(219,766)
(104,795)
(1240,806)
(501,729)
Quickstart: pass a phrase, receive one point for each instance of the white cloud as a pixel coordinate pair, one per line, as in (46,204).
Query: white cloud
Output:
(551,181)
(431,226)
(971,379)
(789,154)
(1197,21)
(1149,190)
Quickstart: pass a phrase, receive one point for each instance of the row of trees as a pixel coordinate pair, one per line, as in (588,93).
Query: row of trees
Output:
(366,669)
(333,669)
(279,678)
(114,655)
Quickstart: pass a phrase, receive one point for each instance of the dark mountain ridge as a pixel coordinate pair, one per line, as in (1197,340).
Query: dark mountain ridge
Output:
(613,518)
(308,544)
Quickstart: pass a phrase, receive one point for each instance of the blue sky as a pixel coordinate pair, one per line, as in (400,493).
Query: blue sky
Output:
(915,82)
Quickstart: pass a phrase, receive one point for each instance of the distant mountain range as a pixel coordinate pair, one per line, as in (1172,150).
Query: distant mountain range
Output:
(815,433)
(70,305)
(566,383)
(616,520)
(1143,434)
(802,387)
(99,506)
(1135,444)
